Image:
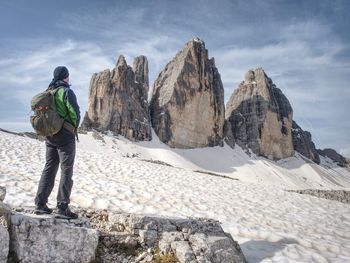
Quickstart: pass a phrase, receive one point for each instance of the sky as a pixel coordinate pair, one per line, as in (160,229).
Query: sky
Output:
(302,45)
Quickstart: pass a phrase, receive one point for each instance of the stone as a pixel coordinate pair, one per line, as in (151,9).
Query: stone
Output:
(302,143)
(334,156)
(148,237)
(183,251)
(259,117)
(4,244)
(46,239)
(167,239)
(187,106)
(2,193)
(4,209)
(141,256)
(218,248)
(118,101)
(206,239)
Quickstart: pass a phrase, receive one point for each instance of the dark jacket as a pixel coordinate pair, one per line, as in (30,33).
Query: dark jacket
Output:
(67,107)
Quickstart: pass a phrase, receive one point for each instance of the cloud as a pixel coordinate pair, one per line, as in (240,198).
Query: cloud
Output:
(27,73)
(345,152)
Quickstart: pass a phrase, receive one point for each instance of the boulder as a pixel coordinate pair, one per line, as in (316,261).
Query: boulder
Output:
(118,101)
(302,143)
(46,239)
(4,209)
(4,244)
(336,157)
(191,240)
(259,116)
(187,105)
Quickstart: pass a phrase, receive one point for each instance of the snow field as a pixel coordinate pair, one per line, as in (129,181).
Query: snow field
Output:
(270,224)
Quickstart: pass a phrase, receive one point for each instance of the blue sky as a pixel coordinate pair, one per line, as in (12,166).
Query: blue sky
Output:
(302,45)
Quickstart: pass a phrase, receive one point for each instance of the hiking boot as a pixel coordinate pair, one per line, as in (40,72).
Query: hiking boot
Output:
(42,210)
(65,213)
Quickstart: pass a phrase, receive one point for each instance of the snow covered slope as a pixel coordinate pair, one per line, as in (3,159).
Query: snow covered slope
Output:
(292,173)
(271,224)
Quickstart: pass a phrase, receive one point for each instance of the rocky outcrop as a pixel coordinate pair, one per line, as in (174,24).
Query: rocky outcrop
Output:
(336,195)
(4,209)
(187,106)
(46,239)
(4,244)
(138,238)
(102,236)
(336,157)
(4,235)
(302,143)
(259,117)
(118,101)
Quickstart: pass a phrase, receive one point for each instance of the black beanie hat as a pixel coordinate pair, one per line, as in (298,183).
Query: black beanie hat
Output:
(60,73)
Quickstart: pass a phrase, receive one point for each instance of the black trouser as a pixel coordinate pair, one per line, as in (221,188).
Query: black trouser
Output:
(56,154)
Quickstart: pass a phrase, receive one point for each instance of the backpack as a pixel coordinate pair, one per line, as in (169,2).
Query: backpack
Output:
(45,121)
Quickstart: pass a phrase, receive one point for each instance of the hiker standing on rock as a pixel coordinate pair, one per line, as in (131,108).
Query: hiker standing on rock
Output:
(60,147)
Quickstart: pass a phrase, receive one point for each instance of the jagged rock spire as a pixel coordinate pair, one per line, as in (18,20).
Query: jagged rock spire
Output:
(259,117)
(187,105)
(118,100)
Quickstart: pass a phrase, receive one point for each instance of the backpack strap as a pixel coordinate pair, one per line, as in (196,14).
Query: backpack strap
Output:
(68,126)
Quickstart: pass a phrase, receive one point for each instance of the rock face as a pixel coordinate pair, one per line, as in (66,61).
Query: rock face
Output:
(303,143)
(46,239)
(187,106)
(259,117)
(336,157)
(118,101)
(189,240)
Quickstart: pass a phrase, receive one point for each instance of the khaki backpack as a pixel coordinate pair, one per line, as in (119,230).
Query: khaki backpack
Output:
(45,120)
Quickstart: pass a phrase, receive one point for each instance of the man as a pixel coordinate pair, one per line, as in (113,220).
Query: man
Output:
(60,149)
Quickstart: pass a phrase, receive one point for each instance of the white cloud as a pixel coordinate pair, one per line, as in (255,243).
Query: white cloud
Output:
(31,72)
(345,152)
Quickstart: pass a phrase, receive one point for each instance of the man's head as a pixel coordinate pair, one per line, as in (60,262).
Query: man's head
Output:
(61,73)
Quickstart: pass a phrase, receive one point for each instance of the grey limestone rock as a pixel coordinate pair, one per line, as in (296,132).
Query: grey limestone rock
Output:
(336,195)
(4,209)
(259,116)
(2,193)
(191,240)
(303,143)
(4,244)
(117,237)
(187,106)
(46,239)
(336,157)
(118,101)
